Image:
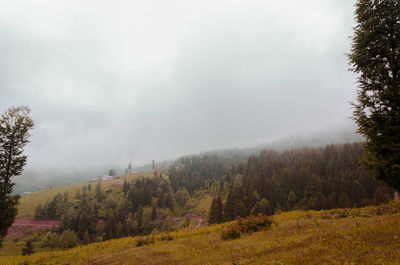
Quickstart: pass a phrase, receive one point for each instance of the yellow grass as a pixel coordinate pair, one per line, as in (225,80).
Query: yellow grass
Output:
(11,248)
(369,235)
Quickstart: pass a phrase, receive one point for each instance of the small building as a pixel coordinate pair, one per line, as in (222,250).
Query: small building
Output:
(108,178)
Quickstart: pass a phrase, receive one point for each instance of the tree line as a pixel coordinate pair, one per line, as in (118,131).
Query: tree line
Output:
(136,208)
(317,178)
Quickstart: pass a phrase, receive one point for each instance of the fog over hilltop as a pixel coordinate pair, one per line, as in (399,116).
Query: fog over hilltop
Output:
(114,82)
(34,179)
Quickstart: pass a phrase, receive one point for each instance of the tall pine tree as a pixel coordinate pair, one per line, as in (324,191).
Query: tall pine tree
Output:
(215,215)
(375,57)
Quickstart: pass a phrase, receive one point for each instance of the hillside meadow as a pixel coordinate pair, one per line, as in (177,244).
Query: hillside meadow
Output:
(28,202)
(369,235)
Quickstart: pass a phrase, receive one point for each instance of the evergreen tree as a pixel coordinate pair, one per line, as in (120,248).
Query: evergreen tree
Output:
(229,207)
(153,216)
(181,197)
(262,207)
(65,196)
(125,187)
(15,125)
(239,209)
(112,172)
(375,57)
(215,214)
(98,192)
(39,213)
(292,198)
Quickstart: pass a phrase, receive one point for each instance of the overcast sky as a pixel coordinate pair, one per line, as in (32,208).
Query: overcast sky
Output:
(110,82)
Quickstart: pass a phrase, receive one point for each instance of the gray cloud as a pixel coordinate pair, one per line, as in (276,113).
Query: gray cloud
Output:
(112,82)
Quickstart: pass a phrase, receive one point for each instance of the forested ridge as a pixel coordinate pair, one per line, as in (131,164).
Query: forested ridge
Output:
(95,214)
(273,181)
(309,178)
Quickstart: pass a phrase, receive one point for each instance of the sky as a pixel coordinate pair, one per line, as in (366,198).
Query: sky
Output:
(112,82)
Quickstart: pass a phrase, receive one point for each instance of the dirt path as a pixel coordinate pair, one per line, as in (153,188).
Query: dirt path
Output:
(198,217)
(176,221)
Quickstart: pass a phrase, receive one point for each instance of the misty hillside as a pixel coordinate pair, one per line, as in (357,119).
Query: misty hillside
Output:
(41,178)
(221,185)
(198,190)
(199,132)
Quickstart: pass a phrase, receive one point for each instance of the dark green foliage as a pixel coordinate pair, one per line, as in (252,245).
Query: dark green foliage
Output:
(66,195)
(239,209)
(262,207)
(197,172)
(125,187)
(153,216)
(375,57)
(112,172)
(216,211)
(51,240)
(292,198)
(28,249)
(99,215)
(319,178)
(39,213)
(99,192)
(228,207)
(69,239)
(53,209)
(182,197)
(15,125)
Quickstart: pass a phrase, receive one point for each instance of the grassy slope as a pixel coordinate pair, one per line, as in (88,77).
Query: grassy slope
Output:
(369,235)
(28,202)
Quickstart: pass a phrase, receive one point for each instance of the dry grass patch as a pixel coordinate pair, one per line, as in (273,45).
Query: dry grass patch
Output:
(297,238)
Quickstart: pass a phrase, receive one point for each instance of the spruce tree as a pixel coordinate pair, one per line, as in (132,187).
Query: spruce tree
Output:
(228,207)
(215,215)
(375,57)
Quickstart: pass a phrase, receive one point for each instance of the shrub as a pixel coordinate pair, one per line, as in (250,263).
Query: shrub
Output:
(254,224)
(246,225)
(230,232)
(51,240)
(69,239)
(166,237)
(143,241)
